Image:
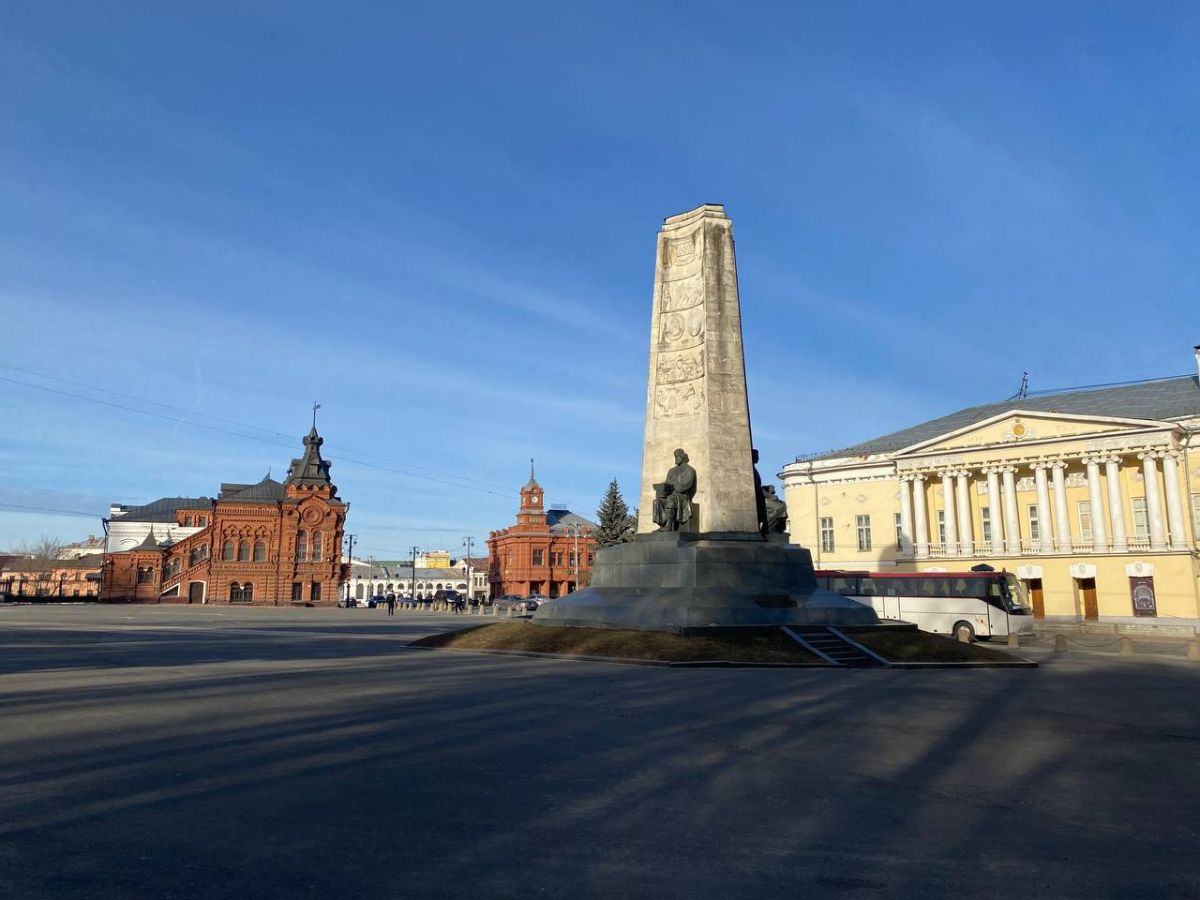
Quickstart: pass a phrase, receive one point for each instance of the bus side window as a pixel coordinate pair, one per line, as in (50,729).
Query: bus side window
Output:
(823,582)
(867,588)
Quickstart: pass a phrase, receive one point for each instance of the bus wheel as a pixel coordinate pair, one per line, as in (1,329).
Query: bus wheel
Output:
(963,626)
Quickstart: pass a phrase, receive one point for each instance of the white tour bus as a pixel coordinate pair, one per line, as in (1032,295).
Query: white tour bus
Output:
(985,603)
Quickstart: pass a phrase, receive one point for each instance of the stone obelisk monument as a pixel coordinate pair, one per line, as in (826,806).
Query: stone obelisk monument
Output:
(696,396)
(699,560)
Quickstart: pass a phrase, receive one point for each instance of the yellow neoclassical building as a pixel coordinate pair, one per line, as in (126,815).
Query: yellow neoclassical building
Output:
(1091,496)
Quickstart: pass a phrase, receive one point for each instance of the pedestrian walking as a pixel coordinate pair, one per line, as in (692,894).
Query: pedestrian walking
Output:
(391,602)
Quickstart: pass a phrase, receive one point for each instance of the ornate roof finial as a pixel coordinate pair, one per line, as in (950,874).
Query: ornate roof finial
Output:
(316,406)
(531,484)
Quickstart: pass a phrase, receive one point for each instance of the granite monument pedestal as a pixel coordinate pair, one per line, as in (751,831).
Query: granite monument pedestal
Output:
(685,582)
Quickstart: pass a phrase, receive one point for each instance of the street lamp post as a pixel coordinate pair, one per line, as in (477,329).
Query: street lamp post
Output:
(468,542)
(573,530)
(351,575)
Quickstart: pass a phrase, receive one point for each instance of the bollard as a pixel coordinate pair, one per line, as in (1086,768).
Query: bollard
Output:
(1060,643)
(1126,646)
(1014,639)
(1193,650)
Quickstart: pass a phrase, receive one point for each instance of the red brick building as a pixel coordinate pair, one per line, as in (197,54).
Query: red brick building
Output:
(53,578)
(538,554)
(269,543)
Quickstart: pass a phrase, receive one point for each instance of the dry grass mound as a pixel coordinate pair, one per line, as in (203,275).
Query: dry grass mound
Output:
(617,644)
(920,646)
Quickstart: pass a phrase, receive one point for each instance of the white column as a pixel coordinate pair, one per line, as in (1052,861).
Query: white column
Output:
(920,521)
(906,516)
(1154,510)
(966,542)
(995,512)
(1116,504)
(1062,519)
(947,477)
(1012,525)
(1174,500)
(1045,526)
(1096,502)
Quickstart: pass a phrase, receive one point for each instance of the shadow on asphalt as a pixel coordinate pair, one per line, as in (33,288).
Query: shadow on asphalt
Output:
(172,762)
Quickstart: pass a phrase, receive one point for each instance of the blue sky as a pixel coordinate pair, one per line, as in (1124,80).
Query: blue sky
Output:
(438,220)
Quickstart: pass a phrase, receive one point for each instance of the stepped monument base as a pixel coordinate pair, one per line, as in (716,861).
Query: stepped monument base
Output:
(682,582)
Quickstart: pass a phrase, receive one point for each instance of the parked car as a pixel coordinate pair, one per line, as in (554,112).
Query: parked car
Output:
(446,596)
(512,601)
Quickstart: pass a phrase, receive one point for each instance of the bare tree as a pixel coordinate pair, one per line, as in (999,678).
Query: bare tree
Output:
(43,555)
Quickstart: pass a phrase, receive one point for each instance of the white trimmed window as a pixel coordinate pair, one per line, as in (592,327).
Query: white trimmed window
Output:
(826,534)
(1083,509)
(1141,524)
(942,527)
(985,524)
(1196,517)
(1035,526)
(863,525)
(899,532)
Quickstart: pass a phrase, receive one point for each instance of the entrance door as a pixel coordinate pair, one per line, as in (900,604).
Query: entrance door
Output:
(1036,598)
(1087,591)
(196,592)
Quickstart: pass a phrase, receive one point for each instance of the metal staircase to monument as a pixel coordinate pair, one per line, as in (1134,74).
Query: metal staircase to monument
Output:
(833,646)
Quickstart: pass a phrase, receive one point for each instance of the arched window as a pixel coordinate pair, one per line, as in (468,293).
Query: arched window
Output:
(439,586)
(244,551)
(302,546)
(462,586)
(227,550)
(204,551)
(358,591)
(247,591)
(260,551)
(390,587)
(202,521)
(235,592)
(187,521)
(316,546)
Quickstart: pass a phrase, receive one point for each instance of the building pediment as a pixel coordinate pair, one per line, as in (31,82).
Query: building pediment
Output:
(1016,427)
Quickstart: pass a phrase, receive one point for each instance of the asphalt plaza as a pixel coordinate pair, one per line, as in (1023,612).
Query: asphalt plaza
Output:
(218,752)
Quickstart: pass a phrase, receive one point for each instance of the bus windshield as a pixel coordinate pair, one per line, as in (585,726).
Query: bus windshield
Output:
(1016,591)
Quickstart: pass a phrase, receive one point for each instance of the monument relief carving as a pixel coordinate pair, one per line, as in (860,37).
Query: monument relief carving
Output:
(672,400)
(681,250)
(686,367)
(682,294)
(681,331)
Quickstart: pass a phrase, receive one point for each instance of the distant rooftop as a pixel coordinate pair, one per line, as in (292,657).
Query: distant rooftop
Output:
(1159,399)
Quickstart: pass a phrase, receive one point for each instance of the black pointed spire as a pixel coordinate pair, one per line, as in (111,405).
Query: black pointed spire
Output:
(310,470)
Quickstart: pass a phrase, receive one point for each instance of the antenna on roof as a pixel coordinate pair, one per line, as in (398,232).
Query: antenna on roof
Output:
(1023,390)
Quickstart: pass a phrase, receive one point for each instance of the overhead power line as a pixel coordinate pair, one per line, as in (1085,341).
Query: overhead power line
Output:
(45,509)
(277,439)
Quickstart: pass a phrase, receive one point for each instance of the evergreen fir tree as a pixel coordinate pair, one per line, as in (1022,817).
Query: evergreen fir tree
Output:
(613,517)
